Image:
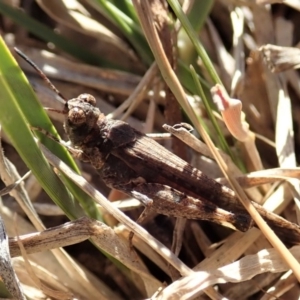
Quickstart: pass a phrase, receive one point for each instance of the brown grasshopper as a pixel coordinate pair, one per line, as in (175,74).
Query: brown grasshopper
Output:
(132,162)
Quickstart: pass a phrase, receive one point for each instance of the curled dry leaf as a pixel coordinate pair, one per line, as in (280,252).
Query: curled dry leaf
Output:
(231,110)
(279,59)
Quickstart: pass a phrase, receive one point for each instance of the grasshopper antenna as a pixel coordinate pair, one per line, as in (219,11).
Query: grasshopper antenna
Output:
(42,74)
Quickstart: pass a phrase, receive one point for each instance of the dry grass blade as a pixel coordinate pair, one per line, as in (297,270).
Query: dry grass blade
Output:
(78,231)
(284,284)
(75,16)
(136,96)
(106,80)
(182,133)
(265,176)
(12,186)
(246,181)
(69,233)
(9,175)
(272,237)
(244,269)
(284,138)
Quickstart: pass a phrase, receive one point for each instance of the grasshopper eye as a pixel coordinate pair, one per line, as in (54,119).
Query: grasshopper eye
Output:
(88,99)
(76,116)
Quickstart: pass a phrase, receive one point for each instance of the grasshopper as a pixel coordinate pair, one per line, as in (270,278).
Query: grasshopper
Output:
(134,163)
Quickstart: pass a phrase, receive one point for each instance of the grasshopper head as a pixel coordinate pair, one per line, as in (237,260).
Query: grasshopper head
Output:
(81,117)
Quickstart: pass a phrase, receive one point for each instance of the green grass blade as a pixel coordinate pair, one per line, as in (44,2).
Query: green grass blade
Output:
(129,27)
(199,13)
(194,38)
(20,108)
(210,69)
(126,7)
